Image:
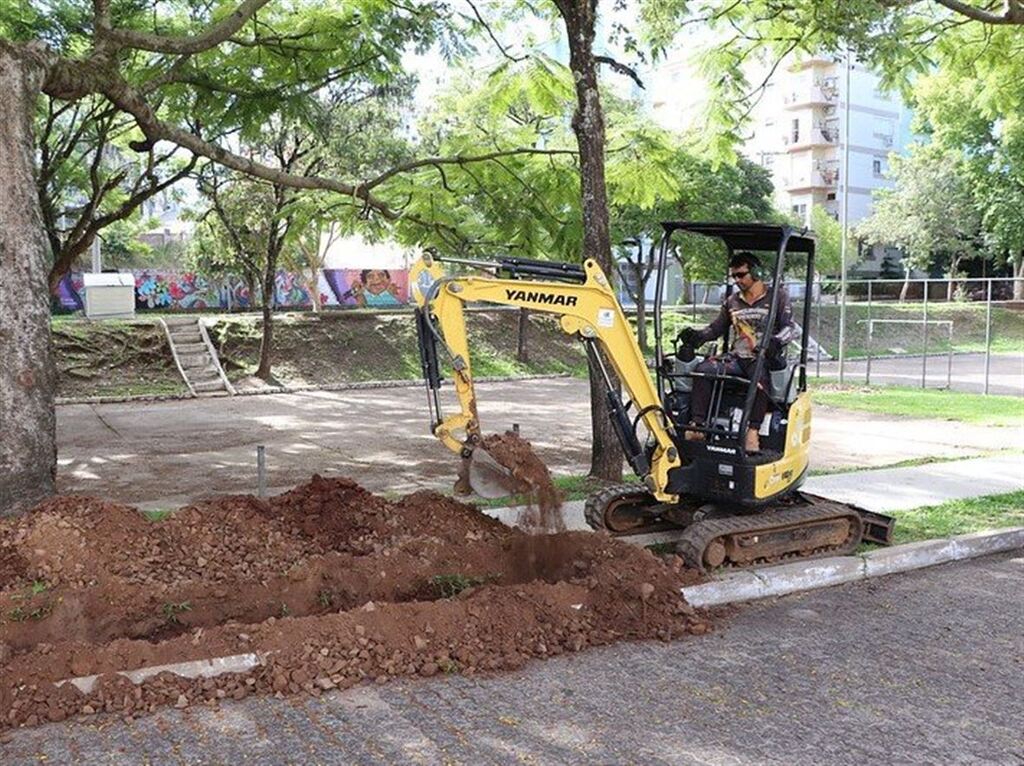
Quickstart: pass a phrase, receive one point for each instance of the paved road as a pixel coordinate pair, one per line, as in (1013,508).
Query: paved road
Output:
(922,668)
(967,373)
(171,452)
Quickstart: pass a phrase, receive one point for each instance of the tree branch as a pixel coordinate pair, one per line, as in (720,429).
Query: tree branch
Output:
(1012,12)
(620,68)
(211,38)
(457,160)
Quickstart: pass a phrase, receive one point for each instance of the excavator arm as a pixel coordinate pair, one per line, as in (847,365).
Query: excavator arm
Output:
(583,300)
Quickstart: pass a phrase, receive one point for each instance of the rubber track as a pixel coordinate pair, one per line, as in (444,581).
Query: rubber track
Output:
(594,507)
(699,535)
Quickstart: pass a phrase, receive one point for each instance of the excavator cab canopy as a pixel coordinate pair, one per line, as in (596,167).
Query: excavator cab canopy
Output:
(749,236)
(783,240)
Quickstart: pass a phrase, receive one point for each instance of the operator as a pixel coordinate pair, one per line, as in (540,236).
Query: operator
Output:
(747,311)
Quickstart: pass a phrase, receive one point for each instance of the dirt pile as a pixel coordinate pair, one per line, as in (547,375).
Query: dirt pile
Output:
(327,584)
(544,511)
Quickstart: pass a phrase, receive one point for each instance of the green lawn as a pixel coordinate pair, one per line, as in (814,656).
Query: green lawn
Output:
(958,517)
(924,403)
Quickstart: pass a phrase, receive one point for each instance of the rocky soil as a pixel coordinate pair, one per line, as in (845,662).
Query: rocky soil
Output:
(328,584)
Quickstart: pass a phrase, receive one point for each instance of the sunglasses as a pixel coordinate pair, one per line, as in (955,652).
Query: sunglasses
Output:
(738,274)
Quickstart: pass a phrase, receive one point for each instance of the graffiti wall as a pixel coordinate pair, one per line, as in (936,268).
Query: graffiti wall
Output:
(187,291)
(364,288)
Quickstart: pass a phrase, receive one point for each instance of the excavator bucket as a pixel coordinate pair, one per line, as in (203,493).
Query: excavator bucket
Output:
(490,479)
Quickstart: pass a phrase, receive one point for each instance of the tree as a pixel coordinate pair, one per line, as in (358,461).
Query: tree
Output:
(983,127)
(829,234)
(197,75)
(89,179)
(930,212)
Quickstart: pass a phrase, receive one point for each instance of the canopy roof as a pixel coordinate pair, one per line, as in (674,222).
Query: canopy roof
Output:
(749,236)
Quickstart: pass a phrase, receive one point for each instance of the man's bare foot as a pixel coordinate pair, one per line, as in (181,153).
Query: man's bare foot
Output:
(753,442)
(694,436)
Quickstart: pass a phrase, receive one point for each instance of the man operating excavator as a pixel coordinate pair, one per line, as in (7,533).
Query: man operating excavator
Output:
(747,311)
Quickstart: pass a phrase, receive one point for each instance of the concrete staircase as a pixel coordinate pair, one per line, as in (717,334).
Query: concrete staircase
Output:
(196,357)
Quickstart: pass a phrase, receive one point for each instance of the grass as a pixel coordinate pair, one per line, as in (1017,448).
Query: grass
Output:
(958,517)
(925,403)
(451,585)
(572,487)
(157,514)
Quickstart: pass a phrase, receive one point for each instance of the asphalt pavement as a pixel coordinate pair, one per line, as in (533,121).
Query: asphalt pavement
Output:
(921,668)
(961,372)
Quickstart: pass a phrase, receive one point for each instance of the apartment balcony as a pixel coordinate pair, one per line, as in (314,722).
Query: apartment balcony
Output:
(816,60)
(810,97)
(817,180)
(812,139)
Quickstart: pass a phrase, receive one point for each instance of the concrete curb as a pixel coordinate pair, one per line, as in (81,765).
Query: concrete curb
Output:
(236,663)
(354,386)
(781,580)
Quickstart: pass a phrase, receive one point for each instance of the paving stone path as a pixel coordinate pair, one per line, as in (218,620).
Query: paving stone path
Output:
(923,668)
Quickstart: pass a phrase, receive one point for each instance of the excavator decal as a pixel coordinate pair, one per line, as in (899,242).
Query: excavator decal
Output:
(549,299)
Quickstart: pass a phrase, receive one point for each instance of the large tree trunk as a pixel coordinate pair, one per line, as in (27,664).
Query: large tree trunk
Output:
(267,338)
(522,354)
(580,17)
(1018,276)
(28,439)
(641,307)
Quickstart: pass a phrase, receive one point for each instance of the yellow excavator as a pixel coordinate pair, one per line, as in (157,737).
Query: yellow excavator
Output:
(735,508)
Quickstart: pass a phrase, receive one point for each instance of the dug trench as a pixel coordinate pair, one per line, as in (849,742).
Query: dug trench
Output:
(328,584)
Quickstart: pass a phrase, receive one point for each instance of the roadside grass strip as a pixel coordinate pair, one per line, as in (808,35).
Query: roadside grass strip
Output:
(924,403)
(958,517)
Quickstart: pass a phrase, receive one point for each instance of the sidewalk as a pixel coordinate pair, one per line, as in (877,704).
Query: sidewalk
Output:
(899,489)
(882,490)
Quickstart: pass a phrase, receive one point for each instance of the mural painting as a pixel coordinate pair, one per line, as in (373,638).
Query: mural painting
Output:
(365,288)
(185,291)
(69,295)
(174,290)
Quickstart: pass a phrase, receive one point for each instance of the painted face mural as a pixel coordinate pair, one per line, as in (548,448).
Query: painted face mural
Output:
(184,291)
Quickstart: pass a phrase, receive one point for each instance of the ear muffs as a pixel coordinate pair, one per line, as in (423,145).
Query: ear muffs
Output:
(757,270)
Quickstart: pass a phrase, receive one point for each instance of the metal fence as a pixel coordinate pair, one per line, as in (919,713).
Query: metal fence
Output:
(965,334)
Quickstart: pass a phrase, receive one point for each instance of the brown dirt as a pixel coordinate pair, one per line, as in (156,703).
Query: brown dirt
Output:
(334,586)
(544,511)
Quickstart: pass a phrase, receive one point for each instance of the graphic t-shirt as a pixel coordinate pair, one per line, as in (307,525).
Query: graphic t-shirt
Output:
(748,321)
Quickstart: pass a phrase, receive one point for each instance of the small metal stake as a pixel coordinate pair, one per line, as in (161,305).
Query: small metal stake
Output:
(261,471)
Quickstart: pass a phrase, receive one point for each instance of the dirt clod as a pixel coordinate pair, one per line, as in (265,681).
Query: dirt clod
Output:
(330,585)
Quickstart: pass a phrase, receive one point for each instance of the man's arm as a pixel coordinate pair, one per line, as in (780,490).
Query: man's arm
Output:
(786,329)
(714,330)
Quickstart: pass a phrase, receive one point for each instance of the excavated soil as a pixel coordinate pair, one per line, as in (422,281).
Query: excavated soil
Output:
(329,584)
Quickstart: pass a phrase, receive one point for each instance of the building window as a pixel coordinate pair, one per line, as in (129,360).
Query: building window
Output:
(795,133)
(830,196)
(800,211)
(876,166)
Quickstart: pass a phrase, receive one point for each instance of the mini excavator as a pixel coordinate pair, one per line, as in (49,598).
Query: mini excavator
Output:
(734,508)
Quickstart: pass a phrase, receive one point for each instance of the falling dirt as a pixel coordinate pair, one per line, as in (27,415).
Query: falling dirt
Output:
(544,511)
(328,584)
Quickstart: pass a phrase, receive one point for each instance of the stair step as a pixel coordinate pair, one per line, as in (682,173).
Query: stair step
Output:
(186,335)
(210,385)
(196,365)
(174,322)
(203,376)
(190,349)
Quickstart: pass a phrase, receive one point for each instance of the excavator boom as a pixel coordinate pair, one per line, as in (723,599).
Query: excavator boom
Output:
(586,306)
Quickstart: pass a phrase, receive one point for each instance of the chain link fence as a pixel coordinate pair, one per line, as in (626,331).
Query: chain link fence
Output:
(964,334)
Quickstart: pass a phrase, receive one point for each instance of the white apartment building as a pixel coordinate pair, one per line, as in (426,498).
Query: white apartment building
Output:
(799,126)
(800,135)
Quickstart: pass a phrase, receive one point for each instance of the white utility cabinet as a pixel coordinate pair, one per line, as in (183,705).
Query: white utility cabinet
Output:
(109,295)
